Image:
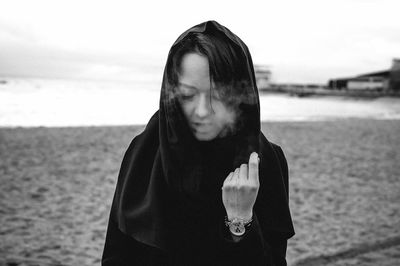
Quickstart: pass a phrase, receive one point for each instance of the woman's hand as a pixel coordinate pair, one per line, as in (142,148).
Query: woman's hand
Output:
(240,189)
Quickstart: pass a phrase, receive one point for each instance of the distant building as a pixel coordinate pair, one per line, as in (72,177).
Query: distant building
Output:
(380,81)
(370,81)
(263,76)
(394,80)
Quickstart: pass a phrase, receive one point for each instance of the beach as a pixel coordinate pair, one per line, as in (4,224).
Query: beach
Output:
(57,186)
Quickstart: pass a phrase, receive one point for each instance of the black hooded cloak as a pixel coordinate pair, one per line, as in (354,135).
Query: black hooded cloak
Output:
(167,207)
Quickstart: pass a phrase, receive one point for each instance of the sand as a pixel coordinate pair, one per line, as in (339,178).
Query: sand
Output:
(56,187)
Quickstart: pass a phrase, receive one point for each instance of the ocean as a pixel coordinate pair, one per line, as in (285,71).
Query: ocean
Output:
(32,102)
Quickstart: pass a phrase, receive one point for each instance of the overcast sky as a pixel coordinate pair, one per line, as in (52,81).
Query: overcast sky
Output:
(301,41)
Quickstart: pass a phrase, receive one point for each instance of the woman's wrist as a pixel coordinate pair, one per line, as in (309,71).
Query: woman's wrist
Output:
(243,215)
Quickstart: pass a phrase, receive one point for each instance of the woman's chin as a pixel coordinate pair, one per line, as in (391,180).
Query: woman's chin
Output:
(204,136)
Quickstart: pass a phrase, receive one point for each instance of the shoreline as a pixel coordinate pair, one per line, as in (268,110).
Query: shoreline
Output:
(299,119)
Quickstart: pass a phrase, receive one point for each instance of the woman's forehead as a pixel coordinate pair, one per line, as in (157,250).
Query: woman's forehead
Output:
(194,65)
(194,72)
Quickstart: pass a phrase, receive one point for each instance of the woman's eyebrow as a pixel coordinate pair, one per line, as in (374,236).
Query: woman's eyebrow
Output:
(187,86)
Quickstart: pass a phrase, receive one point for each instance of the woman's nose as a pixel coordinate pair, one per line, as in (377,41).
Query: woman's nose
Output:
(203,107)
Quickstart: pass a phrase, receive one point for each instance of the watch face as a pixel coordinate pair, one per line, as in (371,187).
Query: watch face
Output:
(237,229)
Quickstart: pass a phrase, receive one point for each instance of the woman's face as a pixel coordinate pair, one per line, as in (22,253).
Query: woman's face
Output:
(207,115)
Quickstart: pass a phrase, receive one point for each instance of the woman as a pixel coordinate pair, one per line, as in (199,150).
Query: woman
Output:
(201,185)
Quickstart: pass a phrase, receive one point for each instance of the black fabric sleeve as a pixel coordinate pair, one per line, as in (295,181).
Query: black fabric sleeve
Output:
(277,245)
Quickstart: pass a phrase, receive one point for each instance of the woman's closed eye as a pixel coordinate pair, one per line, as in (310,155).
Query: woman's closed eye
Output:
(190,96)
(186,92)
(187,96)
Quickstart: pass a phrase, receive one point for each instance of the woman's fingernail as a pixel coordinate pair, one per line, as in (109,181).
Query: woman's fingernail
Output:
(253,156)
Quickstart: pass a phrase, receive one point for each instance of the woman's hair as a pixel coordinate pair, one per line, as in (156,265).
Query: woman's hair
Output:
(227,62)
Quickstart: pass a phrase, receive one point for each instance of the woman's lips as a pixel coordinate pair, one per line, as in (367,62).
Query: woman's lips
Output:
(201,126)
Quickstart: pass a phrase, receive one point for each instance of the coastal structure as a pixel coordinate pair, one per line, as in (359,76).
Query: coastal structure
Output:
(371,81)
(385,80)
(263,77)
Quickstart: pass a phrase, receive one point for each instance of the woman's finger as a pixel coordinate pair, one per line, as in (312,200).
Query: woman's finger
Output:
(243,172)
(236,173)
(228,178)
(253,167)
(231,174)
(235,178)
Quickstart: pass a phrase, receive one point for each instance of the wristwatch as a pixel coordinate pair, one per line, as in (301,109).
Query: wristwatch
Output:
(237,226)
